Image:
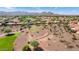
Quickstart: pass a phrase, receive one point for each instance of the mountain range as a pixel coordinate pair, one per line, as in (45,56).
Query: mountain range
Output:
(2,13)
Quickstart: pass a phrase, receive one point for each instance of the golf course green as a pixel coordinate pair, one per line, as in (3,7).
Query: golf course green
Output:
(6,42)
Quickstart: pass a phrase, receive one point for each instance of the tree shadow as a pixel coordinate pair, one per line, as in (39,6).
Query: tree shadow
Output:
(38,49)
(26,49)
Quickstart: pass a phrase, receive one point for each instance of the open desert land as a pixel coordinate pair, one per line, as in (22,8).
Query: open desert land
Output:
(39,33)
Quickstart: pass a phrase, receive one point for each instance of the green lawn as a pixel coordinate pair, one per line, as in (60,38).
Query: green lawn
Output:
(6,43)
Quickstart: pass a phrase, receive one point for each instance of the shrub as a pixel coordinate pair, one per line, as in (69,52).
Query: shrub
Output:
(34,43)
(7,30)
(26,48)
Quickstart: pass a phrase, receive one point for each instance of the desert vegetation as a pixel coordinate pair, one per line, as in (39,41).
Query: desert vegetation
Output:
(39,33)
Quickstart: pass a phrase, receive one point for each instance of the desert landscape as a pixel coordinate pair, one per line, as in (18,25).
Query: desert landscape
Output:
(39,33)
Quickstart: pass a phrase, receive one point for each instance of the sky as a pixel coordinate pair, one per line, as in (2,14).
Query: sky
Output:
(56,10)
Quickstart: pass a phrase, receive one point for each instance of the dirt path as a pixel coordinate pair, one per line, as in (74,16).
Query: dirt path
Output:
(20,41)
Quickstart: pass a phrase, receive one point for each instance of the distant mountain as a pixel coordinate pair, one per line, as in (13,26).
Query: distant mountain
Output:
(12,13)
(2,13)
(24,13)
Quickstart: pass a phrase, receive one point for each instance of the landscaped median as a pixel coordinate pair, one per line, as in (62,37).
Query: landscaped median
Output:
(6,42)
